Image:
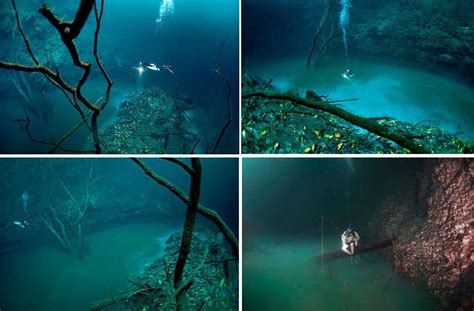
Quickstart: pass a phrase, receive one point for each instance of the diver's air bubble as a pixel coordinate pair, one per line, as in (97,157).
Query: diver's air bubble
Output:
(344,21)
(350,165)
(166,10)
(24,198)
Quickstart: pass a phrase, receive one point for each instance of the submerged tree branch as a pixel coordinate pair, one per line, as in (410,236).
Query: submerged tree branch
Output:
(69,30)
(20,29)
(201,209)
(229,108)
(365,123)
(217,71)
(186,167)
(98,18)
(68,134)
(26,123)
(318,32)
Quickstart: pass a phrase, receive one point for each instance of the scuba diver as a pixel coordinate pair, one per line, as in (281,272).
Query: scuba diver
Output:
(148,66)
(348,74)
(19,224)
(350,240)
(142,66)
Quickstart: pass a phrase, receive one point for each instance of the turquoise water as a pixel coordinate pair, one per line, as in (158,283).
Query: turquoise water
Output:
(382,90)
(284,276)
(45,278)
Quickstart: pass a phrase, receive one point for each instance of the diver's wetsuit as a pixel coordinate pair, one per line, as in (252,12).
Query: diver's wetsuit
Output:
(348,73)
(350,240)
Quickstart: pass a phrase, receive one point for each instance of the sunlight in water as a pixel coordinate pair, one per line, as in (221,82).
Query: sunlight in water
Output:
(166,10)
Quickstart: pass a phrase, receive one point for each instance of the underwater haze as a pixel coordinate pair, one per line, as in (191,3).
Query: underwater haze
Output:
(410,63)
(74,232)
(178,106)
(295,210)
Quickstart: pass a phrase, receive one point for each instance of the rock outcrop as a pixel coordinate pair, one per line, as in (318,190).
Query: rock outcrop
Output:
(439,35)
(434,226)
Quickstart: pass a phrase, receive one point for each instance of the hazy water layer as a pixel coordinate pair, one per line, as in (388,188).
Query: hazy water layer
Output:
(382,90)
(45,278)
(284,276)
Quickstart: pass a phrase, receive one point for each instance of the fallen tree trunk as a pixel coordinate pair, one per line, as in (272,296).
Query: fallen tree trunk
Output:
(365,123)
(359,250)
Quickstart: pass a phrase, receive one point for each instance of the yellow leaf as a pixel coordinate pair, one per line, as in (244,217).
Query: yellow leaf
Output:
(339,146)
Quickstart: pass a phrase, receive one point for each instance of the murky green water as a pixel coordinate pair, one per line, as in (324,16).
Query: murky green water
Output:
(45,278)
(382,90)
(63,117)
(284,276)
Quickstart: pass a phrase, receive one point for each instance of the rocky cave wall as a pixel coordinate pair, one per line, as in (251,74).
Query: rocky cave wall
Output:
(438,35)
(434,229)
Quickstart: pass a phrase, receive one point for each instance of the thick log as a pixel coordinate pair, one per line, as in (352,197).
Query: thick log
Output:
(359,250)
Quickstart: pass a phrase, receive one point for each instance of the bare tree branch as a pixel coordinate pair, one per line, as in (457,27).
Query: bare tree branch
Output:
(229,108)
(204,211)
(69,30)
(322,26)
(186,167)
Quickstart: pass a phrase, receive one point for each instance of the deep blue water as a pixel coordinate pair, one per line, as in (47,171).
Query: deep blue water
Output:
(188,39)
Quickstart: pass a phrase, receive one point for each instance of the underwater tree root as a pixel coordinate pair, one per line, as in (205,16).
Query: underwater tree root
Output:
(365,123)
